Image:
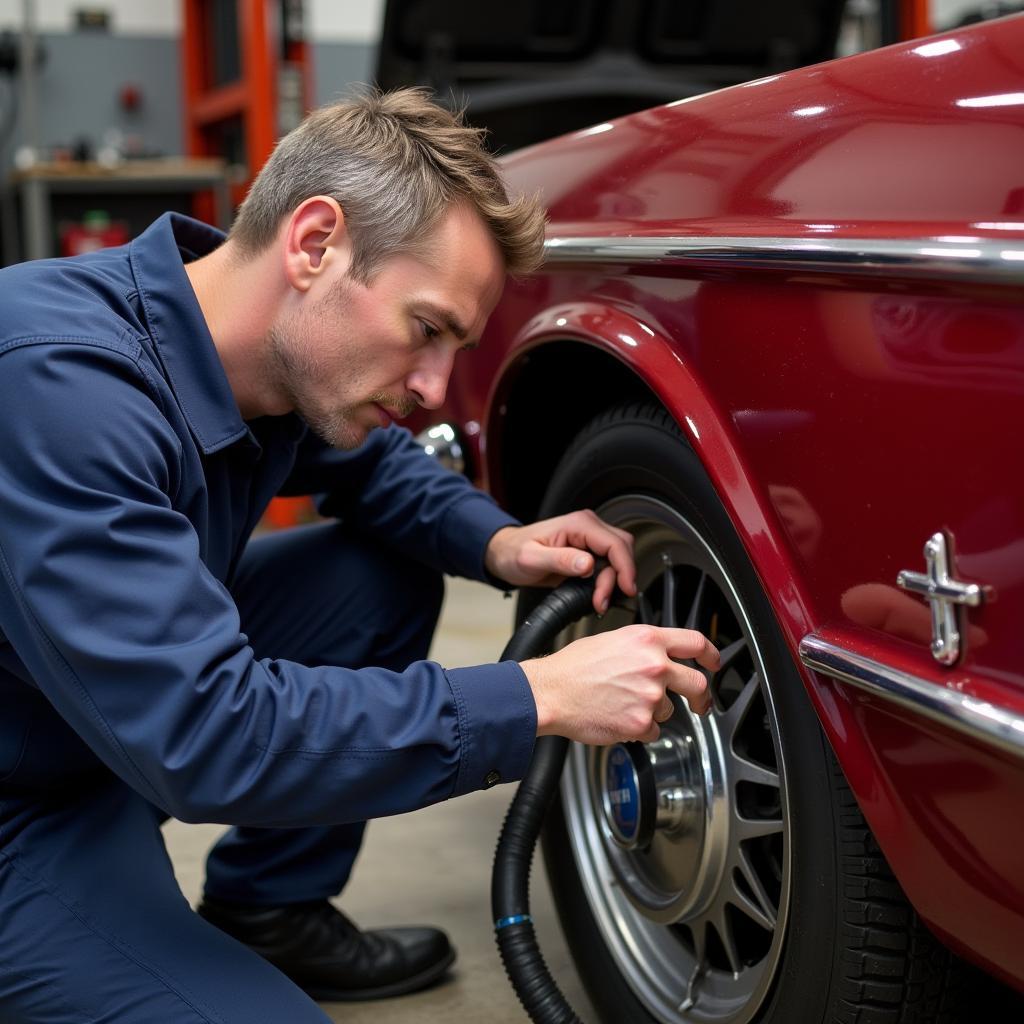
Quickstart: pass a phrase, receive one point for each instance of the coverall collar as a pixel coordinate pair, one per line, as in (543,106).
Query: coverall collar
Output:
(176,323)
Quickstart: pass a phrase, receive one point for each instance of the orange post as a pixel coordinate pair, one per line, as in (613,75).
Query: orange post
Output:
(244,111)
(915,19)
(259,73)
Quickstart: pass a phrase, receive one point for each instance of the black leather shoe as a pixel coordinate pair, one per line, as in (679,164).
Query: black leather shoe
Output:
(327,956)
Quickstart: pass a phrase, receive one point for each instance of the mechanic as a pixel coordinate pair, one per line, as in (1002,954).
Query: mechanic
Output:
(155,662)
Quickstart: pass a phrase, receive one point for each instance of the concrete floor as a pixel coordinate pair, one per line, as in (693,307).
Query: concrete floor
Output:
(434,866)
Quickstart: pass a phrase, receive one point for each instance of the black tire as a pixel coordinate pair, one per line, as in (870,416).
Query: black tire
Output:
(853,950)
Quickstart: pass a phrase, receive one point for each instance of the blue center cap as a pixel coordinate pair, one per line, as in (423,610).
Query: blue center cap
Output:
(623,793)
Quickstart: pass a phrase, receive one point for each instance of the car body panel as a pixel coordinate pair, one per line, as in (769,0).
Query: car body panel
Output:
(884,139)
(844,418)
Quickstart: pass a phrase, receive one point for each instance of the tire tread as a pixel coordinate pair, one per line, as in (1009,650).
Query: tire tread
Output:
(892,970)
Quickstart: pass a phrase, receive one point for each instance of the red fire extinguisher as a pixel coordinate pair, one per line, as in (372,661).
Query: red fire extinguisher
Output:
(96,231)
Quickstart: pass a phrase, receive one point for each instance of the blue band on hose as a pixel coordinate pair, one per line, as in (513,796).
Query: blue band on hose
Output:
(504,922)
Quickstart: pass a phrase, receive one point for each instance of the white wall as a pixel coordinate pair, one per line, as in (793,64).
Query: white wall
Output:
(349,21)
(127,17)
(946,12)
(344,21)
(328,21)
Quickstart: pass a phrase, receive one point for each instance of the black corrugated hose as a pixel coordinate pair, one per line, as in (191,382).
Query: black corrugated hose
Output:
(510,883)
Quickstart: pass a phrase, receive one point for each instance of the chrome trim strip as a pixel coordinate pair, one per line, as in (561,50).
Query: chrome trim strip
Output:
(984,261)
(978,719)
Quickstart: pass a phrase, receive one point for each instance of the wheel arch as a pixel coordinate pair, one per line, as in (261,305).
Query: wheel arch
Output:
(524,448)
(537,408)
(553,383)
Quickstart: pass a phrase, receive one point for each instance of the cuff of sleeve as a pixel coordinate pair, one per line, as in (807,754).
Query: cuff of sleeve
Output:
(497,724)
(465,534)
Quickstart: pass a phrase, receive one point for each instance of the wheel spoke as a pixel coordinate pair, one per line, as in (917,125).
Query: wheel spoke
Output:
(743,903)
(644,613)
(765,904)
(754,828)
(693,616)
(668,596)
(728,941)
(747,771)
(700,940)
(732,718)
(729,654)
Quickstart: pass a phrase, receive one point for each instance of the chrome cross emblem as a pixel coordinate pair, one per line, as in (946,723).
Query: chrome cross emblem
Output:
(944,594)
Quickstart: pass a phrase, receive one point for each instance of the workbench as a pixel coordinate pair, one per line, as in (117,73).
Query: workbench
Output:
(36,187)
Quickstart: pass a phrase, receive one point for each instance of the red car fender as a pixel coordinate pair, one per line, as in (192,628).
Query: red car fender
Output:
(852,721)
(651,357)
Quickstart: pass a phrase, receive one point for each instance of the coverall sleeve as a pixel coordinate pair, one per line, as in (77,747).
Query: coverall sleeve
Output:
(105,598)
(391,489)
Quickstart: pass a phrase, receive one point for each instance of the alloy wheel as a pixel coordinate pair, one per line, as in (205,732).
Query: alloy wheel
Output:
(682,845)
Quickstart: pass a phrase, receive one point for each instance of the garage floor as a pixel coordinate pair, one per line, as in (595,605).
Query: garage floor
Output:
(434,866)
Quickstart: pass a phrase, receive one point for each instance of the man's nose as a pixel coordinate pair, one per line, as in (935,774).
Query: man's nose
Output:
(429,381)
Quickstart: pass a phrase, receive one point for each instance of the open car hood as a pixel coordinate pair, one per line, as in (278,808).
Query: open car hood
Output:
(539,68)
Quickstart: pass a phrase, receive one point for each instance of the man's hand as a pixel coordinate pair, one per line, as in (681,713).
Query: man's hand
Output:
(546,553)
(614,686)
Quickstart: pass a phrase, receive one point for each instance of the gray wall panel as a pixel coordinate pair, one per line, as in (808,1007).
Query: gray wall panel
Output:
(78,86)
(79,83)
(337,66)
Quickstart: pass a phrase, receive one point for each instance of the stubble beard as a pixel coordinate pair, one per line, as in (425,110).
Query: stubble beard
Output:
(294,363)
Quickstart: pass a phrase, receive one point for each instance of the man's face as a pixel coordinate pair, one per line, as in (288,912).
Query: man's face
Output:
(356,356)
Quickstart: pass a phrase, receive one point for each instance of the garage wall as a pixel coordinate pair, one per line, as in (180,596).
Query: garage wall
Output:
(84,70)
(79,84)
(344,37)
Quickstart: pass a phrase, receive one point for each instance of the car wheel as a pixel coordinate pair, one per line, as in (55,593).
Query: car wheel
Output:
(722,874)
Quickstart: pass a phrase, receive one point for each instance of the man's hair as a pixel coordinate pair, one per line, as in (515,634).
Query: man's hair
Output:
(395,162)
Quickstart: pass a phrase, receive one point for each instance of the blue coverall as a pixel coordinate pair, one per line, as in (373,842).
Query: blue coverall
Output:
(154,661)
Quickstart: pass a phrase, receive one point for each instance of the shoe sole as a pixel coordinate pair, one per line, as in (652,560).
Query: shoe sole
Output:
(397,988)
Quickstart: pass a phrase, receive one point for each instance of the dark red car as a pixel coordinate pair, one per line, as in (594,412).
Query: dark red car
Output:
(780,337)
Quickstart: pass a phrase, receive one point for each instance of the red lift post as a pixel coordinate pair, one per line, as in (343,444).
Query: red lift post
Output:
(247,81)
(915,18)
(246,78)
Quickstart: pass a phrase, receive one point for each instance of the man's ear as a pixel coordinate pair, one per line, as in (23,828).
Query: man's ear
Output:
(315,238)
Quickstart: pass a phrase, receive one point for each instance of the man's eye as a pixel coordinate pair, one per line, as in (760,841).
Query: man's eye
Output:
(429,330)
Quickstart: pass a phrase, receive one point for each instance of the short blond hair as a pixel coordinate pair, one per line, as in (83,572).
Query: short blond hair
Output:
(394,162)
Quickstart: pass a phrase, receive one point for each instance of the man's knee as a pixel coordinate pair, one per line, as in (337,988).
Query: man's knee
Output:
(323,595)
(393,620)
(402,590)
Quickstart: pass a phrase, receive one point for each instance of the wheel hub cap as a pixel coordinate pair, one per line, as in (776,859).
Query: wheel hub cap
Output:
(651,788)
(663,838)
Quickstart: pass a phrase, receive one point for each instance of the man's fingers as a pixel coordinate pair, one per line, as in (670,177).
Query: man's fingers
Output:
(624,535)
(666,709)
(620,555)
(603,589)
(544,560)
(607,543)
(688,644)
(651,735)
(692,685)
(567,546)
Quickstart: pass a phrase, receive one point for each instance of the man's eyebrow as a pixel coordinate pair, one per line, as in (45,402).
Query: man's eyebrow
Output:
(451,324)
